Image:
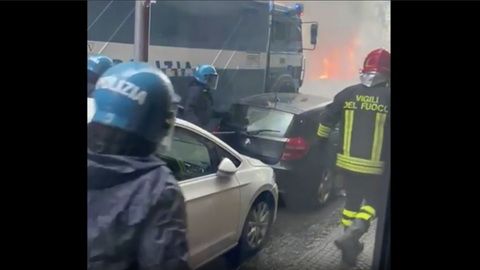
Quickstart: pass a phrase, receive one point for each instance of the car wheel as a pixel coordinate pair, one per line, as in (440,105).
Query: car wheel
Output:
(311,194)
(284,84)
(257,226)
(255,233)
(325,188)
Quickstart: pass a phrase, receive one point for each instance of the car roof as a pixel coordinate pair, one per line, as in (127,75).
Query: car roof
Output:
(295,103)
(182,123)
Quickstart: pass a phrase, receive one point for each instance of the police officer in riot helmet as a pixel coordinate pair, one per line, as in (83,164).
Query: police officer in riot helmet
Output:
(97,64)
(135,108)
(199,103)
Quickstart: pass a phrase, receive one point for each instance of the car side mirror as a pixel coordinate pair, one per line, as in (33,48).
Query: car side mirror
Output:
(226,168)
(313,35)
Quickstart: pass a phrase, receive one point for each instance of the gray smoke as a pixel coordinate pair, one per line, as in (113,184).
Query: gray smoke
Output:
(341,22)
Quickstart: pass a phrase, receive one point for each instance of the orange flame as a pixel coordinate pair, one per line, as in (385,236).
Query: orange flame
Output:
(339,63)
(326,69)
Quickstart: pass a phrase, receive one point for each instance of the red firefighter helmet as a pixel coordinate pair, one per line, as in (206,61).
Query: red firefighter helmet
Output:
(377,61)
(376,68)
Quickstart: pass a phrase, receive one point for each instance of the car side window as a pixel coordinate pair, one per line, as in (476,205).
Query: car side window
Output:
(191,155)
(222,153)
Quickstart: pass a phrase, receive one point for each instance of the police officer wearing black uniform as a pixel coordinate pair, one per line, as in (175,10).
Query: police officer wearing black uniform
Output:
(136,218)
(363,113)
(199,102)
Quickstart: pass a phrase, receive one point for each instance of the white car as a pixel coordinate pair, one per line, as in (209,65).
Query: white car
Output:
(231,199)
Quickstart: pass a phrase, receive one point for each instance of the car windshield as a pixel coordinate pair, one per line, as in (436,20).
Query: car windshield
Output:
(278,65)
(259,120)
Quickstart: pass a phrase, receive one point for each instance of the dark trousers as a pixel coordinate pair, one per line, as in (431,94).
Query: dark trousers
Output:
(359,187)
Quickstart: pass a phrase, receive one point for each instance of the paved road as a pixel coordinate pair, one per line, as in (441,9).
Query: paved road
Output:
(304,241)
(293,235)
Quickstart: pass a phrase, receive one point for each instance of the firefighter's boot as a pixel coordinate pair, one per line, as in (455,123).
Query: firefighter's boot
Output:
(349,243)
(358,244)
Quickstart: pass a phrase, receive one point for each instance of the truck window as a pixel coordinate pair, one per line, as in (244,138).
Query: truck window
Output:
(219,28)
(176,24)
(287,36)
(167,28)
(279,31)
(252,33)
(110,21)
(295,38)
(295,33)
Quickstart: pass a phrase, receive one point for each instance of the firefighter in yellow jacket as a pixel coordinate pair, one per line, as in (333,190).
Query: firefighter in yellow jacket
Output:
(363,113)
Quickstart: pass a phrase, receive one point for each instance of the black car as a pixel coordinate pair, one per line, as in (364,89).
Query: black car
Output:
(280,130)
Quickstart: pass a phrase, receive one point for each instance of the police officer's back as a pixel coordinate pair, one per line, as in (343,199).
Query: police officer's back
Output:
(96,65)
(362,111)
(136,211)
(365,120)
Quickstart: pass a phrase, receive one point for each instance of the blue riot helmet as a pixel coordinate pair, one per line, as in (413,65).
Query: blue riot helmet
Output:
(138,99)
(207,75)
(96,65)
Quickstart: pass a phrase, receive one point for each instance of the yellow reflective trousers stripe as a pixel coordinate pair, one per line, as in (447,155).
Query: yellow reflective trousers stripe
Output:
(348,217)
(348,213)
(347,136)
(378,136)
(366,213)
(359,169)
(323,131)
(346,222)
(360,161)
(359,165)
(368,209)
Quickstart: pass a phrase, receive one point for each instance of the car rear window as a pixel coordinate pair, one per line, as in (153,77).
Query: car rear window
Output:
(251,118)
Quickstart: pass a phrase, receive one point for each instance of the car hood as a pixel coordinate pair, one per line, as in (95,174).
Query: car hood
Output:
(255,162)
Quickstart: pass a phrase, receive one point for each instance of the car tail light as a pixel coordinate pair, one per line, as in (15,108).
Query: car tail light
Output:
(295,148)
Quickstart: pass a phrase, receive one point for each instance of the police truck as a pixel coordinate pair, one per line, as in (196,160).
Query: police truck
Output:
(256,46)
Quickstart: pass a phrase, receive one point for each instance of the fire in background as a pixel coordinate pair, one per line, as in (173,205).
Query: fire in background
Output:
(347,31)
(337,63)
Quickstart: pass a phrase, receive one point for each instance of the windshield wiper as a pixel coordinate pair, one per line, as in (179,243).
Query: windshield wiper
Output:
(258,131)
